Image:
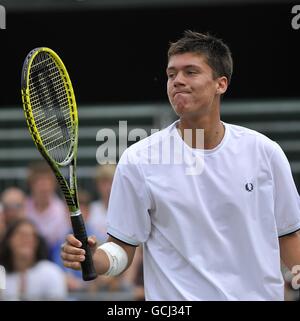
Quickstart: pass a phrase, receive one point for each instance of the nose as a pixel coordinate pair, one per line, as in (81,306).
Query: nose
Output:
(179,80)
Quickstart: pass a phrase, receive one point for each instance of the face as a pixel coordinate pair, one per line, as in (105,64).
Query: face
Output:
(84,206)
(2,225)
(192,89)
(23,242)
(13,205)
(43,186)
(104,187)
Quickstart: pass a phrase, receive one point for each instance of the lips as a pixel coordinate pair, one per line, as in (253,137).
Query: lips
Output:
(181,92)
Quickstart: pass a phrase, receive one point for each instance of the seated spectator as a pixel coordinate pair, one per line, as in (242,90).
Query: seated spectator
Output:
(134,276)
(104,178)
(97,219)
(84,199)
(14,204)
(2,223)
(74,278)
(29,276)
(44,208)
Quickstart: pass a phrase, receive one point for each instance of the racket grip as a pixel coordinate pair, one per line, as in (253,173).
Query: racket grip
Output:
(87,266)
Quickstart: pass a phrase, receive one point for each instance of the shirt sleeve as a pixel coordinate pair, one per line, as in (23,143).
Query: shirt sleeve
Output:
(286,197)
(129,204)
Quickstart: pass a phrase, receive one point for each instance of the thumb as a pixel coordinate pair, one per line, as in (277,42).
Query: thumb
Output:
(92,240)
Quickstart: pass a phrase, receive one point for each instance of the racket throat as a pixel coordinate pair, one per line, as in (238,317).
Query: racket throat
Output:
(75,213)
(71,177)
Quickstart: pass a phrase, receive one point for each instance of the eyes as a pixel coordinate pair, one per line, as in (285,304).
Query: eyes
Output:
(187,73)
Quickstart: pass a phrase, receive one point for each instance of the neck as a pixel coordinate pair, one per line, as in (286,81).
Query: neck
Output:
(105,202)
(213,130)
(41,205)
(22,264)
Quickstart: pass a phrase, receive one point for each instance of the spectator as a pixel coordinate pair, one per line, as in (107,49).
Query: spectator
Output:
(74,278)
(128,282)
(97,220)
(104,178)
(44,208)
(29,275)
(134,275)
(84,199)
(2,223)
(14,204)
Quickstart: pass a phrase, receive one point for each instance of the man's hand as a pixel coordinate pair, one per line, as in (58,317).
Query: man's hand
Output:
(72,254)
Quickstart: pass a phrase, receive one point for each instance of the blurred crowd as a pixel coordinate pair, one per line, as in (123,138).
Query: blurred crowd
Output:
(33,226)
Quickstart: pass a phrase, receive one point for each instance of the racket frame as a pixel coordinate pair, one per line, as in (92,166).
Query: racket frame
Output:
(69,190)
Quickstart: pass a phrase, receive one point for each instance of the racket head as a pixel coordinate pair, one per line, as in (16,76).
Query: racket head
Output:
(50,106)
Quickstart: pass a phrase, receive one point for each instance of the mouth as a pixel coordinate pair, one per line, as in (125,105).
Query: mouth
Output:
(181,92)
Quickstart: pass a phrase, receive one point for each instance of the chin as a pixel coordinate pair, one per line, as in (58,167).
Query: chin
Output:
(180,109)
(185,110)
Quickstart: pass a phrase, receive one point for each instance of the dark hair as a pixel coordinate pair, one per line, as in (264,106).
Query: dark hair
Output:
(6,257)
(38,168)
(217,53)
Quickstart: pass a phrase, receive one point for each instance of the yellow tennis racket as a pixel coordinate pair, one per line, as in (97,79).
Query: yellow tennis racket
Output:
(51,115)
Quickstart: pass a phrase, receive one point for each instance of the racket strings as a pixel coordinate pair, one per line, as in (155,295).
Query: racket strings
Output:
(40,117)
(50,106)
(61,94)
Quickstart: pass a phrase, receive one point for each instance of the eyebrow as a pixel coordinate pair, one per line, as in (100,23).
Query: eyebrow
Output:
(184,67)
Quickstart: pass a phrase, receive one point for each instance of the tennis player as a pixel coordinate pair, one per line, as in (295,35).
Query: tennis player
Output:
(217,233)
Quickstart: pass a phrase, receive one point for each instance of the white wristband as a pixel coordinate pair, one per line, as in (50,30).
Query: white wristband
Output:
(117,256)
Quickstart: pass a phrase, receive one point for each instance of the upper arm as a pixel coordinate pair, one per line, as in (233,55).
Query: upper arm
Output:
(129,249)
(285,194)
(130,204)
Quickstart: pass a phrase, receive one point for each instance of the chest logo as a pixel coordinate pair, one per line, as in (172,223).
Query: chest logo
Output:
(249,187)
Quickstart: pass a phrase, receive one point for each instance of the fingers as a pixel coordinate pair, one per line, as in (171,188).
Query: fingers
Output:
(71,253)
(72,258)
(70,249)
(73,241)
(72,261)
(72,265)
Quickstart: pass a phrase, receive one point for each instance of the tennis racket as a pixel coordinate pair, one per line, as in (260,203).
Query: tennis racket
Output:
(51,115)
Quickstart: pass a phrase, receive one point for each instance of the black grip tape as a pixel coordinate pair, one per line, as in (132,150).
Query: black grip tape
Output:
(87,266)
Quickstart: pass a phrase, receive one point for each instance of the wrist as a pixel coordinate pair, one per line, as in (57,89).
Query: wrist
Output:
(101,261)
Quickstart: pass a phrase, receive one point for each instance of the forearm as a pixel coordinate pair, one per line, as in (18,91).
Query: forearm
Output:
(101,259)
(290,250)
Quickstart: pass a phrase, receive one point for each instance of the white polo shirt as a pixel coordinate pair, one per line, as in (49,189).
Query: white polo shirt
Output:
(213,235)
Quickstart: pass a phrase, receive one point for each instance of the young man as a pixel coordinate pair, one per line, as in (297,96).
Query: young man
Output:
(215,233)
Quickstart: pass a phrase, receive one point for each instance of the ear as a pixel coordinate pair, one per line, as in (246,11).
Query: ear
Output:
(222,84)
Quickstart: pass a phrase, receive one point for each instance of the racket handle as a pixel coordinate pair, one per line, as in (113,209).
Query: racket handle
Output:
(87,266)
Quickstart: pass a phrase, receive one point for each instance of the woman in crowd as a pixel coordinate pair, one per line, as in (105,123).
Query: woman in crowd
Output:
(29,275)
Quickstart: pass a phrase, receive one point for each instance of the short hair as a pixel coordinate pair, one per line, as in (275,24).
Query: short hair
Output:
(217,53)
(37,169)
(84,197)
